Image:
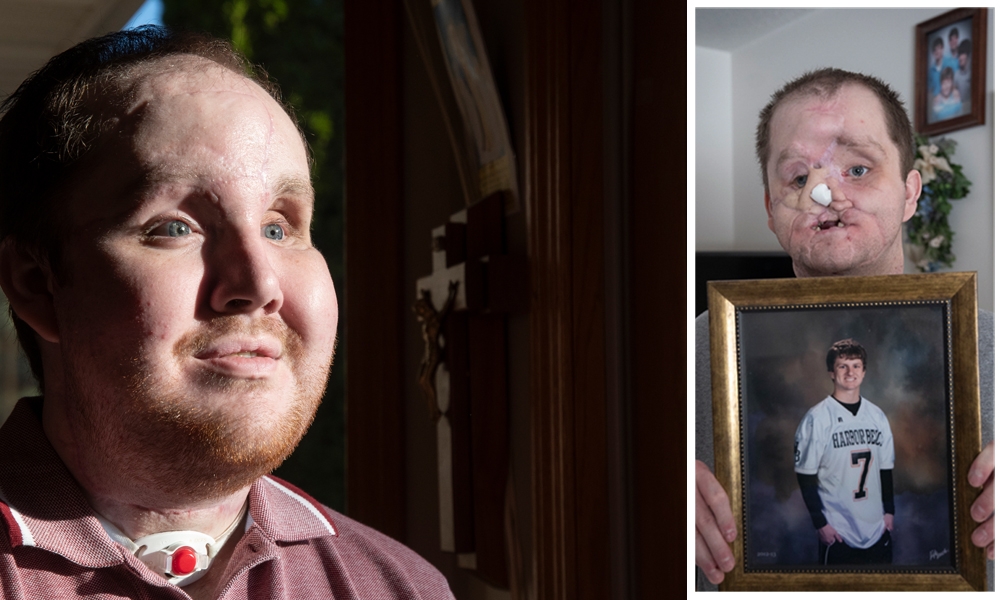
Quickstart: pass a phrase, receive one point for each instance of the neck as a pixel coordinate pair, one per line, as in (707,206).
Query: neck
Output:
(135,521)
(124,492)
(847,396)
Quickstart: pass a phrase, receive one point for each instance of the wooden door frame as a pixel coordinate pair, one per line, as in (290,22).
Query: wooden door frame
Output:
(564,197)
(373,253)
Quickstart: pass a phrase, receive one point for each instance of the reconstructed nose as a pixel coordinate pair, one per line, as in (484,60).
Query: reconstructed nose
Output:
(244,279)
(815,194)
(823,189)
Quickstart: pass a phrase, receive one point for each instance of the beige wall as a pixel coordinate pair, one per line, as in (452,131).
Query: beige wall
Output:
(33,32)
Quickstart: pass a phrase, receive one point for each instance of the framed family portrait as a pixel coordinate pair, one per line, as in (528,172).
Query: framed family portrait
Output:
(851,403)
(951,71)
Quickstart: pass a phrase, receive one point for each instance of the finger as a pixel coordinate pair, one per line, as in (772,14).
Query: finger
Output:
(708,529)
(990,553)
(716,499)
(703,558)
(982,508)
(983,535)
(839,539)
(982,467)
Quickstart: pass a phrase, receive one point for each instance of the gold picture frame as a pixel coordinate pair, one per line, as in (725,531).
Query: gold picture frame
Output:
(766,337)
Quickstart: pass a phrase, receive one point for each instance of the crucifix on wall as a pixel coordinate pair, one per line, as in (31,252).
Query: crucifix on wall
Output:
(462,307)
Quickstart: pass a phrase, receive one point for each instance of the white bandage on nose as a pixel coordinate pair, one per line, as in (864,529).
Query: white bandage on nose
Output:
(821,194)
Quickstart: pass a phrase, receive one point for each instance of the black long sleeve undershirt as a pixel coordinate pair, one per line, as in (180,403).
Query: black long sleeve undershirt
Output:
(888,503)
(809,485)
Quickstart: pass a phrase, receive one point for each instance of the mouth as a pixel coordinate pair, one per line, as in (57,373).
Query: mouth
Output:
(242,358)
(823,225)
(241,348)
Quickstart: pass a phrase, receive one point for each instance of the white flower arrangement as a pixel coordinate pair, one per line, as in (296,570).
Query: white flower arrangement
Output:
(928,232)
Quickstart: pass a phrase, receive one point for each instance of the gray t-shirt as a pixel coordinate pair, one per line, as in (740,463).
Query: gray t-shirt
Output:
(704,440)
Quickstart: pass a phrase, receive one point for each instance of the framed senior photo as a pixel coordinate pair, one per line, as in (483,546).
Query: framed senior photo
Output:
(951,71)
(887,467)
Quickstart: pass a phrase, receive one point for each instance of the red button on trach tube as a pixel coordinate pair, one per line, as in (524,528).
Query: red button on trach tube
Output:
(184,561)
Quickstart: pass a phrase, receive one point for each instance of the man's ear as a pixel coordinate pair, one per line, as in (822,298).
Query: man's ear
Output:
(28,283)
(913,186)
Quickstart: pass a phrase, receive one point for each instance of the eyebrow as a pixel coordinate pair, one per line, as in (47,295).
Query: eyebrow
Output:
(861,144)
(857,144)
(295,186)
(283,186)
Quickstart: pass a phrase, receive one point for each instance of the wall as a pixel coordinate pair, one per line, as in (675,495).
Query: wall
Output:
(714,151)
(876,41)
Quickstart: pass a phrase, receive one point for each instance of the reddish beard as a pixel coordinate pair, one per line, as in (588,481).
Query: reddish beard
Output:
(171,448)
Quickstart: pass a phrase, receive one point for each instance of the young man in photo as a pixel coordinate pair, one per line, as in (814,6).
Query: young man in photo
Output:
(843,462)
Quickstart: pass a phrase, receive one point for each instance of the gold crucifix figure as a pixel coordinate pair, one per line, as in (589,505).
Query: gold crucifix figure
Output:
(433,353)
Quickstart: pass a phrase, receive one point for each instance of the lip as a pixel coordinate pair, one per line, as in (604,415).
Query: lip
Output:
(249,358)
(827,221)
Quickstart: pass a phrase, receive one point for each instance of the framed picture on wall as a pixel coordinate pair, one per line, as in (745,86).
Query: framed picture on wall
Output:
(951,71)
(849,403)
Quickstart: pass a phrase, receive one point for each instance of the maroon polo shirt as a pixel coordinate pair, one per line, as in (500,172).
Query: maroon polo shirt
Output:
(293,547)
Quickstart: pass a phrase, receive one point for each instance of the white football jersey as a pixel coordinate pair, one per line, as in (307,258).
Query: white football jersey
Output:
(847,452)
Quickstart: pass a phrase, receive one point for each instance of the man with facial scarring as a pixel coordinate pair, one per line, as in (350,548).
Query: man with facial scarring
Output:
(836,155)
(155,211)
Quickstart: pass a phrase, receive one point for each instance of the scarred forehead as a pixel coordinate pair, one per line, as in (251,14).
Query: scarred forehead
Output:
(182,73)
(812,127)
(182,97)
(190,126)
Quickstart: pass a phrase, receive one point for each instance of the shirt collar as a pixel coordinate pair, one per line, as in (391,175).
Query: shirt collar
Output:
(53,515)
(284,513)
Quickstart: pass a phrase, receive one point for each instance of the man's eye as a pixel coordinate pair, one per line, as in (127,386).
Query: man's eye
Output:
(801,180)
(857,171)
(178,229)
(273,232)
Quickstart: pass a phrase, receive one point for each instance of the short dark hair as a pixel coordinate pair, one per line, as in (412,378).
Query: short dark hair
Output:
(937,43)
(849,348)
(965,47)
(824,83)
(953,32)
(57,115)
(947,73)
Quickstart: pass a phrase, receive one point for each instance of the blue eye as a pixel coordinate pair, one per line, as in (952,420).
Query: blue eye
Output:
(273,232)
(801,180)
(178,229)
(857,171)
